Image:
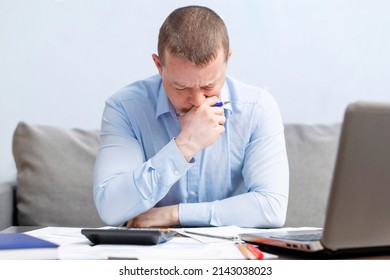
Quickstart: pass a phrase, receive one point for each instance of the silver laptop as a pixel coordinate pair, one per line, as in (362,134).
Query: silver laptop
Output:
(358,211)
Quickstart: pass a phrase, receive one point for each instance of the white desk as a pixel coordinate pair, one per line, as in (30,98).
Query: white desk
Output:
(73,245)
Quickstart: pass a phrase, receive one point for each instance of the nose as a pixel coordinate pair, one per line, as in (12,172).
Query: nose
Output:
(197,97)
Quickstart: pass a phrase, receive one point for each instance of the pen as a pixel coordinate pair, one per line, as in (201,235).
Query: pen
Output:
(221,103)
(244,250)
(255,251)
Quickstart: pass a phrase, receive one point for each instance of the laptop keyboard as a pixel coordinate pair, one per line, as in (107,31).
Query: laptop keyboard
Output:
(300,237)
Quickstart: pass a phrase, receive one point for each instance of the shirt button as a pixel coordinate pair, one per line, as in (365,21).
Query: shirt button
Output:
(177,173)
(193,193)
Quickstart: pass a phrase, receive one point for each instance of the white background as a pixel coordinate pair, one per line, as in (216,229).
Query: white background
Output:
(281,269)
(60,60)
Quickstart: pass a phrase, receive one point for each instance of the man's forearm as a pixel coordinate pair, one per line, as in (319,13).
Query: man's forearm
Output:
(166,216)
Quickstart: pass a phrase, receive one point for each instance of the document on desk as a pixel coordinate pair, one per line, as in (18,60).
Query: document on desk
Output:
(216,234)
(61,235)
(73,245)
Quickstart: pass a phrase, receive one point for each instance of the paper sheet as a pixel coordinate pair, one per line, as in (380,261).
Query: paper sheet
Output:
(74,245)
(215,234)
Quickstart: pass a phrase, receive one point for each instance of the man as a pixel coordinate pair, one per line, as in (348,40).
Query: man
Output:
(171,155)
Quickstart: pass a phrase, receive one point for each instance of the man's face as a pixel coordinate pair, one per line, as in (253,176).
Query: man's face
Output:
(188,85)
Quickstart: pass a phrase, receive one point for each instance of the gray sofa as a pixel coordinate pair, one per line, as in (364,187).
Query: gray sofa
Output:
(54,176)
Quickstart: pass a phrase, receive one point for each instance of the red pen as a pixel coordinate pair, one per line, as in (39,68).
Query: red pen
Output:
(255,251)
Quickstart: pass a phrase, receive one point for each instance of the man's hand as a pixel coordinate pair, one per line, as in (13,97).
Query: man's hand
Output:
(200,127)
(157,217)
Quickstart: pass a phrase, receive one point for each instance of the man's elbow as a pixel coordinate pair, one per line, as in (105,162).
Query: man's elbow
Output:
(276,217)
(278,221)
(106,212)
(108,218)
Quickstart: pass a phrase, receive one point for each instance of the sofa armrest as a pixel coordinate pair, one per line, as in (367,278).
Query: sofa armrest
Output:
(7,205)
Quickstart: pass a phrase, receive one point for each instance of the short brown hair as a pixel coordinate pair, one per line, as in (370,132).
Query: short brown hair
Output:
(193,33)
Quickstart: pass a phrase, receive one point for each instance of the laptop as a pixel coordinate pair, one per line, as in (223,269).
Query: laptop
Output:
(358,210)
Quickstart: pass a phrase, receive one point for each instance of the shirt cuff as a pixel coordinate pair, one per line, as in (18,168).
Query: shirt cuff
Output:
(195,214)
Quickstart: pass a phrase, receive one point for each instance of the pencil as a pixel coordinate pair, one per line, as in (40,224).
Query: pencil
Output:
(244,250)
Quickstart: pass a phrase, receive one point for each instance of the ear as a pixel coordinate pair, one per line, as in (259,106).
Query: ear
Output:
(157,62)
(229,54)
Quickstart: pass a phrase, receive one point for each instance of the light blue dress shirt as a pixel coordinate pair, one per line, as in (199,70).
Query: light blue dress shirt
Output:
(242,179)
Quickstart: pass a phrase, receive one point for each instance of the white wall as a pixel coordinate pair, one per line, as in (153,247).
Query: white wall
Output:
(60,59)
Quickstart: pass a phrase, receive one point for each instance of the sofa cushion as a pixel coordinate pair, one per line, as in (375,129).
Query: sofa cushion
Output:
(311,151)
(6,205)
(54,175)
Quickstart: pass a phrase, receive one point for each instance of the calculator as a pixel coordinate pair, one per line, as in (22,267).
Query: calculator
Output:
(126,235)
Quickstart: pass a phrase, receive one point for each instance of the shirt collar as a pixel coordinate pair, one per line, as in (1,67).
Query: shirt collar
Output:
(165,106)
(225,96)
(163,103)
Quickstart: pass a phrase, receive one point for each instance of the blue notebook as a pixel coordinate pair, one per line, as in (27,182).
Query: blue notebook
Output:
(23,246)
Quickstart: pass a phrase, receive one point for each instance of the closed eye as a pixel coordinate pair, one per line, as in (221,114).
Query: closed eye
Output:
(181,89)
(208,88)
